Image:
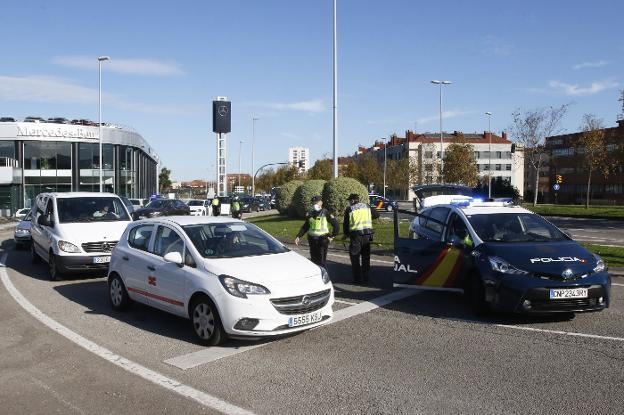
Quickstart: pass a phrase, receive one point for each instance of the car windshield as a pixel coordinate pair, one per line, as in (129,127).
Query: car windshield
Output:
(232,240)
(157,204)
(195,203)
(91,209)
(515,227)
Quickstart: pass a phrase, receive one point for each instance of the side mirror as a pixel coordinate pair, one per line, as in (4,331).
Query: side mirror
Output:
(174,258)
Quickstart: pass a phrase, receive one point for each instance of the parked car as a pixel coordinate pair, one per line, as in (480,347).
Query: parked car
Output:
(213,271)
(136,203)
(21,213)
(249,204)
(162,207)
(76,231)
(34,119)
(263,203)
(199,207)
(382,203)
(21,235)
(58,120)
(7,119)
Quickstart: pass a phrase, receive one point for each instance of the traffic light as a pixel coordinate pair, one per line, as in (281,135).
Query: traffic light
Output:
(558,179)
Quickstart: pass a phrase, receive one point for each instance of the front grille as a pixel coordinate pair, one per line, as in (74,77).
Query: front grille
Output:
(104,246)
(301,304)
(564,305)
(561,278)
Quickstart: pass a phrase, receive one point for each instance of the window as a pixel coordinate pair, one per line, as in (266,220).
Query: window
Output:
(508,167)
(167,240)
(91,209)
(139,237)
(439,217)
(499,154)
(457,227)
(498,167)
(428,154)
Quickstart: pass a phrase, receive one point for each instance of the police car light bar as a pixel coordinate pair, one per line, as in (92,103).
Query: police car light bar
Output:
(461,201)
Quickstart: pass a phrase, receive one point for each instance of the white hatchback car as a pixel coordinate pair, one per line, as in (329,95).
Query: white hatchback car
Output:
(229,277)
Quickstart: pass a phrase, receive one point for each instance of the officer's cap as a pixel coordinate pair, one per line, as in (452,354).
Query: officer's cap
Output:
(316,198)
(353,196)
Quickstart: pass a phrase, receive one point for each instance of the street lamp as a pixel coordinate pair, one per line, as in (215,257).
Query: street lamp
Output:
(384,171)
(100,60)
(440,83)
(335,105)
(240,151)
(253,142)
(489,114)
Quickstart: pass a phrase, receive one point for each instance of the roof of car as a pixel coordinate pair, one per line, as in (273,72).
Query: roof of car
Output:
(68,195)
(491,210)
(193,220)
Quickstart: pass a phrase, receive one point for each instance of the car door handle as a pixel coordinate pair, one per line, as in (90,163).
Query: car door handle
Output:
(151,268)
(125,258)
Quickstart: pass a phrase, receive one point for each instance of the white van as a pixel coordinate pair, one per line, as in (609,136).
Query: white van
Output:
(76,231)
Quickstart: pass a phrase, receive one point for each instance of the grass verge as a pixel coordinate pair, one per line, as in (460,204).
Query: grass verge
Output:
(612,255)
(610,212)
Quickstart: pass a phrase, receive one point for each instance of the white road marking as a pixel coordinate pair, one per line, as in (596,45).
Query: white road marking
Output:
(128,365)
(564,333)
(344,302)
(616,284)
(201,357)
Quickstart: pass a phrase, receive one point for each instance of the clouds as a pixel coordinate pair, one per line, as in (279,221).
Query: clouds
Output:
(58,90)
(594,64)
(576,90)
(313,106)
(445,115)
(142,67)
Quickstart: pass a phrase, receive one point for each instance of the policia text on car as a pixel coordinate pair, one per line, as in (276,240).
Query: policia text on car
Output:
(317,226)
(358,226)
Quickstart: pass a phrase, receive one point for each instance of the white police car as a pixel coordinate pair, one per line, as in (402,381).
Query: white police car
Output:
(504,257)
(227,276)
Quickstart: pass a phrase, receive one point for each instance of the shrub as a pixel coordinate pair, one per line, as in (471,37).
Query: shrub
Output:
(284,197)
(303,195)
(336,192)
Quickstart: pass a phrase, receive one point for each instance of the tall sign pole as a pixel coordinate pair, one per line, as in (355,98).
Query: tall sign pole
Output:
(335,99)
(221,125)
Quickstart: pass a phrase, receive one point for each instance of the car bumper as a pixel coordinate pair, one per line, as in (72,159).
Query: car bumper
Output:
(72,264)
(22,239)
(531,295)
(270,321)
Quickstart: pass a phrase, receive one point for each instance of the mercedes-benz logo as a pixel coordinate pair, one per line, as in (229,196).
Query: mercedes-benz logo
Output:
(106,247)
(567,273)
(223,110)
(305,300)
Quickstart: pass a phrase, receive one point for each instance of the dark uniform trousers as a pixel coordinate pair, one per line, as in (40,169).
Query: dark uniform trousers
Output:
(216,210)
(360,248)
(318,250)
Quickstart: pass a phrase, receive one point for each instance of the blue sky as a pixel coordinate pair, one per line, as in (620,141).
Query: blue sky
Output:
(273,58)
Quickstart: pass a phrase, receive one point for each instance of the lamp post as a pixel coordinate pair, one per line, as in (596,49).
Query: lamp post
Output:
(440,83)
(489,114)
(385,140)
(335,105)
(253,142)
(100,60)
(240,151)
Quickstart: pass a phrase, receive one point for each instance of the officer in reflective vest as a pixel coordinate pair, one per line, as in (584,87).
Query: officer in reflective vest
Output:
(237,213)
(358,226)
(317,224)
(216,206)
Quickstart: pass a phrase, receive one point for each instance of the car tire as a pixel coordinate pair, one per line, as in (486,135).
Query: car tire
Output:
(117,294)
(36,259)
(477,296)
(205,322)
(53,271)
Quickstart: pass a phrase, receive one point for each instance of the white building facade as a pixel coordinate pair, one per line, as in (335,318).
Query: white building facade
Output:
(300,158)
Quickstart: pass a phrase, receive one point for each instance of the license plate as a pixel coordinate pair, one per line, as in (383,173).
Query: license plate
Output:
(101,259)
(305,319)
(565,293)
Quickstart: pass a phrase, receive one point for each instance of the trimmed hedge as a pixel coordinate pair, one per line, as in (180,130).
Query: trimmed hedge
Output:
(304,194)
(336,192)
(284,197)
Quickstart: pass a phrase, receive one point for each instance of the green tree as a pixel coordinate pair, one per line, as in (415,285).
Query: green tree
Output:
(370,171)
(592,147)
(164,180)
(351,169)
(460,165)
(321,170)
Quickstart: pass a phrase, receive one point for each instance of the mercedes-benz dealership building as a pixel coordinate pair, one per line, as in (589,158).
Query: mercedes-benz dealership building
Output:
(38,157)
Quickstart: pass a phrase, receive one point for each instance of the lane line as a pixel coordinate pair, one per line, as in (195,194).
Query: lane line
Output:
(619,285)
(211,354)
(344,302)
(120,361)
(561,332)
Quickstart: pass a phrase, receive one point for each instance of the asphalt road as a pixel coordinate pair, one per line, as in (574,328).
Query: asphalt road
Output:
(421,354)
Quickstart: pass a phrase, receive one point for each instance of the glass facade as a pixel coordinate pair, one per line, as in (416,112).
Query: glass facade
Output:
(47,168)
(89,164)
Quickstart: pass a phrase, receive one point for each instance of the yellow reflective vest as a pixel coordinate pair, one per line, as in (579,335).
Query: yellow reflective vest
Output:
(318,225)
(360,217)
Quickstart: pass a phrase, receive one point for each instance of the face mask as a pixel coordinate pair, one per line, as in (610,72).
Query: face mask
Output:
(317,207)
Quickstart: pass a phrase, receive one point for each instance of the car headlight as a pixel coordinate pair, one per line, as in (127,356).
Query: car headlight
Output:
(240,288)
(68,247)
(504,267)
(325,275)
(600,265)
(22,231)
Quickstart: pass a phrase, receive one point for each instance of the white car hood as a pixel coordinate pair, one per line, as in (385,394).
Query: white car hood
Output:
(266,269)
(92,231)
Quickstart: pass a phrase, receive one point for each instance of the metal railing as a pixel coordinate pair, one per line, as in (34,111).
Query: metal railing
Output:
(8,162)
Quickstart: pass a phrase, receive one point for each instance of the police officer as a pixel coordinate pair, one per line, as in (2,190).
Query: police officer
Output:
(216,206)
(317,226)
(358,226)
(237,213)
